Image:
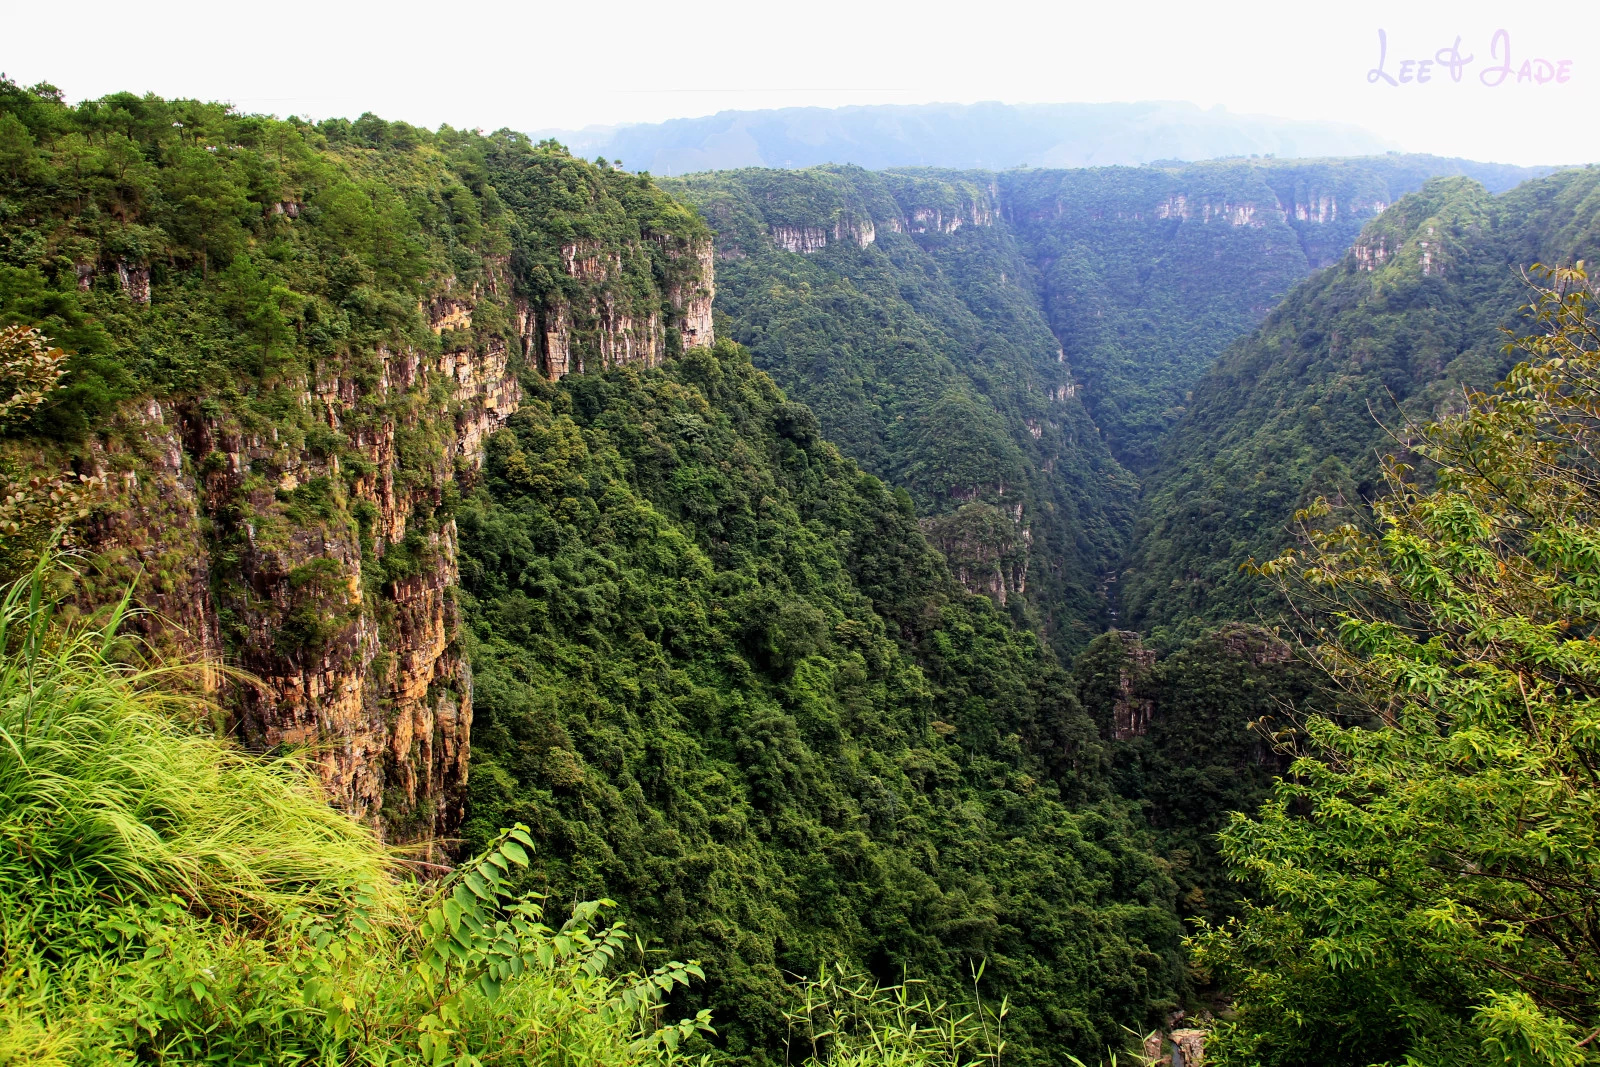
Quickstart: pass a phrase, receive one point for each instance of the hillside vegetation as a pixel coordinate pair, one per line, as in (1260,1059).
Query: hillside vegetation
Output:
(726,681)
(910,327)
(1019,342)
(439,579)
(283,341)
(1394,330)
(165,897)
(720,673)
(1146,274)
(1427,871)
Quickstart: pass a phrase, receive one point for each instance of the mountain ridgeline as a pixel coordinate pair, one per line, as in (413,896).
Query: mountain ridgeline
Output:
(807,633)
(1009,348)
(984,136)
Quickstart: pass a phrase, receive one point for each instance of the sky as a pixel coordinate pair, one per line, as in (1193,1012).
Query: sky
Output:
(536,65)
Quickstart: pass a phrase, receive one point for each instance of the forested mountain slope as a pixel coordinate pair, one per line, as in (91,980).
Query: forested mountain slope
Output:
(429,433)
(1413,312)
(728,683)
(287,342)
(719,670)
(900,309)
(985,340)
(1146,274)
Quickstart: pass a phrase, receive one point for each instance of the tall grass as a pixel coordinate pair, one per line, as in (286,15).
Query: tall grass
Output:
(849,1020)
(105,781)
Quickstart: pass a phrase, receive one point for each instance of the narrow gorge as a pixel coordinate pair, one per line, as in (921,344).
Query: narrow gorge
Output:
(835,572)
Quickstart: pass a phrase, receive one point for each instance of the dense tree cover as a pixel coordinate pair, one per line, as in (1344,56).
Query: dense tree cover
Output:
(912,330)
(273,245)
(1296,409)
(729,676)
(914,311)
(241,289)
(247,303)
(1429,876)
(180,250)
(1148,273)
(725,680)
(1194,735)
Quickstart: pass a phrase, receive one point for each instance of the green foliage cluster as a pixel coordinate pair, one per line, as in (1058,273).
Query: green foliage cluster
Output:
(166,898)
(850,1020)
(1004,336)
(926,359)
(1195,735)
(733,679)
(1295,411)
(723,678)
(273,248)
(1429,876)
(1147,274)
(31,509)
(264,289)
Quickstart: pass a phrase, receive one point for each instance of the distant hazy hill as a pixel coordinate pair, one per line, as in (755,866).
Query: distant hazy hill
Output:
(989,135)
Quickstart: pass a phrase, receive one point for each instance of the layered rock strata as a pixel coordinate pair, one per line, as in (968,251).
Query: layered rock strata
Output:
(316,553)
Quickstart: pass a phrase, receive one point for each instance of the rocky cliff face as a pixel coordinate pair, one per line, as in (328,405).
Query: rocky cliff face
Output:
(598,328)
(317,551)
(986,546)
(808,239)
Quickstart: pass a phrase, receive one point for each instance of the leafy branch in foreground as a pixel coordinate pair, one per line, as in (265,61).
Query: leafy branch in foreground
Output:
(477,936)
(1431,878)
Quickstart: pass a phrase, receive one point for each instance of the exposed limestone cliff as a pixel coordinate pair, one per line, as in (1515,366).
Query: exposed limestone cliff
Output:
(329,580)
(801,239)
(1133,708)
(929,205)
(986,547)
(256,544)
(808,239)
(598,326)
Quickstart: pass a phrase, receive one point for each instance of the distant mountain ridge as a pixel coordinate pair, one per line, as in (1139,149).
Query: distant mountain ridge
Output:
(1412,313)
(1147,274)
(989,136)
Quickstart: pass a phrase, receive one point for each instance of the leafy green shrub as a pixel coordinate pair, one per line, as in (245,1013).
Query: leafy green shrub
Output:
(1429,878)
(848,1020)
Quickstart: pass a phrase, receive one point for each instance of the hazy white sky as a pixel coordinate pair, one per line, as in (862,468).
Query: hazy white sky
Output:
(536,65)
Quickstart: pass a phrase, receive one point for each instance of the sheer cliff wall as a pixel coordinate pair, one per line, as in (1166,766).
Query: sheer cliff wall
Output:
(325,571)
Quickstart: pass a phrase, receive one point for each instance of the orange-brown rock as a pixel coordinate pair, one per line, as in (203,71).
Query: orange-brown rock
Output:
(316,551)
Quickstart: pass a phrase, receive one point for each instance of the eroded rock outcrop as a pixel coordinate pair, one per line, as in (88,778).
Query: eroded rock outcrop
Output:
(986,547)
(599,326)
(315,551)
(327,580)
